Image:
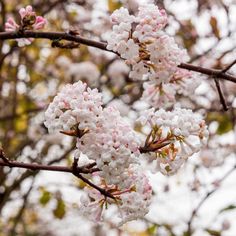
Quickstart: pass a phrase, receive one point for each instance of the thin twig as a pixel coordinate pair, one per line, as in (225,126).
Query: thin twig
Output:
(221,96)
(3,157)
(205,198)
(102,45)
(75,170)
(36,167)
(76,173)
(229,66)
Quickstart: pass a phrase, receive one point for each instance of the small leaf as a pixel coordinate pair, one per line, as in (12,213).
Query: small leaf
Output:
(152,229)
(213,232)
(214,27)
(60,210)
(113,5)
(228,208)
(45,197)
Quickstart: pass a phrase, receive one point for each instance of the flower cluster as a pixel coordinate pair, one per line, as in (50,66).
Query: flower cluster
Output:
(105,138)
(29,20)
(132,203)
(152,54)
(142,42)
(163,95)
(113,145)
(76,106)
(173,137)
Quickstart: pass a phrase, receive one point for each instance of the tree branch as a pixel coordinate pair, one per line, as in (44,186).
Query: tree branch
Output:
(36,167)
(209,193)
(53,36)
(102,45)
(75,170)
(220,92)
(229,66)
(212,72)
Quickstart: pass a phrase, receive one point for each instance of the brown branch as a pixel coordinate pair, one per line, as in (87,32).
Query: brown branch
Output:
(75,170)
(3,157)
(212,72)
(205,198)
(36,167)
(229,66)
(220,92)
(102,45)
(53,36)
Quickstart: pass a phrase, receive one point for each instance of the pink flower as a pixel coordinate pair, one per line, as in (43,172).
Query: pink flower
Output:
(39,23)
(29,20)
(11,25)
(28,11)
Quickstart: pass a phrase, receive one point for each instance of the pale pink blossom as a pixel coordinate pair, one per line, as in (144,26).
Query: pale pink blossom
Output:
(29,20)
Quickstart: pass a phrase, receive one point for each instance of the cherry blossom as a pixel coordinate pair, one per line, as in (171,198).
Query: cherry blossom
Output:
(173,137)
(132,201)
(29,20)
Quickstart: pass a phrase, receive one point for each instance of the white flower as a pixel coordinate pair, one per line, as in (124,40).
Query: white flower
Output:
(122,15)
(75,105)
(139,71)
(150,21)
(174,136)
(132,200)
(159,96)
(128,50)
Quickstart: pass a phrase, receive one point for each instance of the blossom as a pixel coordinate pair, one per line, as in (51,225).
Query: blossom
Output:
(132,201)
(76,106)
(158,96)
(173,137)
(113,145)
(11,25)
(122,15)
(138,71)
(163,95)
(150,21)
(128,50)
(141,41)
(29,20)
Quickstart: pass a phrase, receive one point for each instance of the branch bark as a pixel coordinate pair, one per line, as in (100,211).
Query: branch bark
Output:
(102,45)
(75,170)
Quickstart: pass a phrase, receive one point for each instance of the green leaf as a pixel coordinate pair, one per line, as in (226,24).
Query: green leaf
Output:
(213,232)
(152,229)
(60,210)
(224,120)
(45,197)
(228,208)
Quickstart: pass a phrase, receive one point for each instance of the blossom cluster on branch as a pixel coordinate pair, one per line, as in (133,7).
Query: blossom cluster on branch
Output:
(109,142)
(104,137)
(29,21)
(152,54)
